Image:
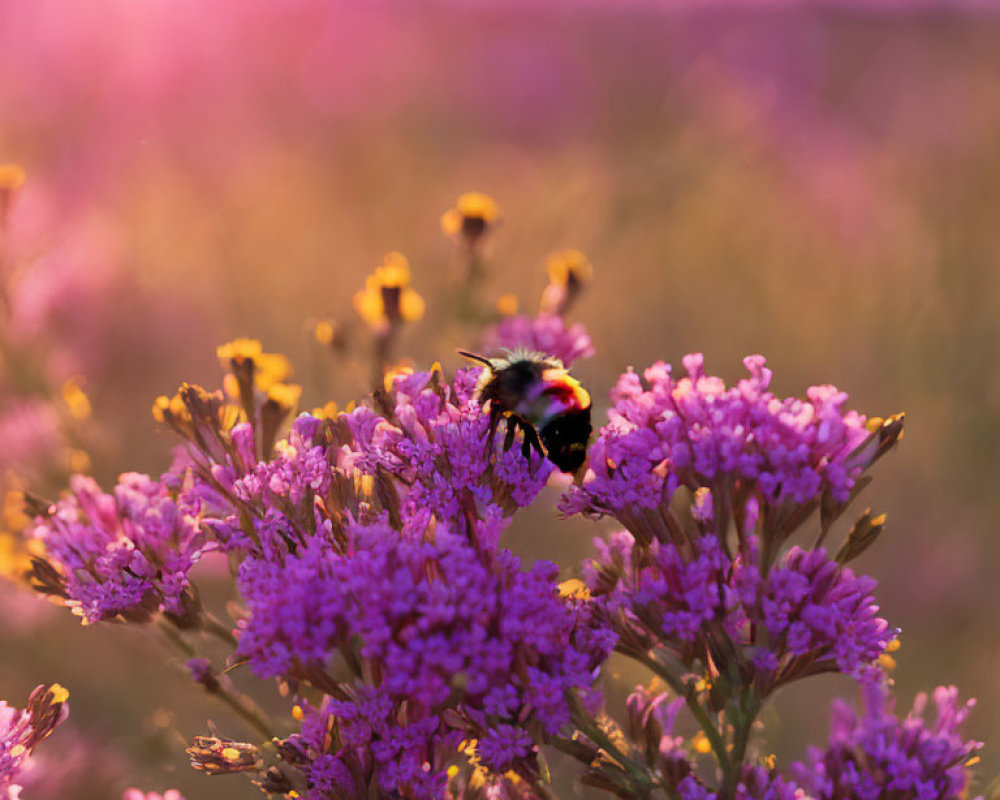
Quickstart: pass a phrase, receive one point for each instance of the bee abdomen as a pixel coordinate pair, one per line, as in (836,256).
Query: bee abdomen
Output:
(565,437)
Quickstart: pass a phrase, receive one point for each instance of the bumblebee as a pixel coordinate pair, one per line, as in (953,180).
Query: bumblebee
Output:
(536,393)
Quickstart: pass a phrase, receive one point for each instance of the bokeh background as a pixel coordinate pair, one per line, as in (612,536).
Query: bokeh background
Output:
(818,182)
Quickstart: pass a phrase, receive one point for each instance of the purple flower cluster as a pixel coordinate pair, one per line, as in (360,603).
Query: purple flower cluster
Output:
(343,744)
(756,783)
(423,455)
(441,625)
(545,333)
(21,730)
(876,755)
(434,440)
(366,554)
(243,502)
(300,469)
(125,555)
(138,794)
(665,432)
(807,615)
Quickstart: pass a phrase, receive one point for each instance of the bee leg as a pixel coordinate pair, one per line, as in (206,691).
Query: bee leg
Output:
(508,439)
(531,441)
(495,417)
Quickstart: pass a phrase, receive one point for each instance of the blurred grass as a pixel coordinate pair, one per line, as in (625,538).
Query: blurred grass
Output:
(818,186)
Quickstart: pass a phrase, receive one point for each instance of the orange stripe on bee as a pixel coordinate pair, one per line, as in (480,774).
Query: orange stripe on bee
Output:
(565,387)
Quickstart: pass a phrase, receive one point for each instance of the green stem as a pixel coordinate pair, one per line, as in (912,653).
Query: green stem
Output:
(240,703)
(542,790)
(175,639)
(638,780)
(215,627)
(697,710)
(244,707)
(749,707)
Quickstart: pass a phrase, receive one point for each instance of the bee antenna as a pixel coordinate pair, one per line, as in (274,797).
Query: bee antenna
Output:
(474,357)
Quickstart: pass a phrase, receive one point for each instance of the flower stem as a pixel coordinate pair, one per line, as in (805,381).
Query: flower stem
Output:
(244,707)
(749,707)
(240,703)
(697,710)
(214,626)
(634,777)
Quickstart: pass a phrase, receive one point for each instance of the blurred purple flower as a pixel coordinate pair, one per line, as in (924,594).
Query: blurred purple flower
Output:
(138,794)
(30,432)
(545,333)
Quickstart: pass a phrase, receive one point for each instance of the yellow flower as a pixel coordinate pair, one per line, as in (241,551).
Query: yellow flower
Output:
(330,333)
(272,369)
(76,399)
(230,416)
(77,460)
(13,516)
(16,549)
(473,215)
(574,588)
(364,484)
(387,297)
(12,176)
(328,411)
(507,304)
(11,179)
(325,331)
(285,395)
(396,371)
(238,350)
(231,386)
(268,368)
(58,693)
(167,408)
(569,265)
(394,272)
(569,271)
(886,661)
(13,561)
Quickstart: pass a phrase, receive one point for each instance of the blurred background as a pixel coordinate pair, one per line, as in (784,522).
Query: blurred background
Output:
(819,183)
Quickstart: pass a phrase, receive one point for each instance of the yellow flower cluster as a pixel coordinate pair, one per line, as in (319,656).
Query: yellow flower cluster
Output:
(12,176)
(388,297)
(270,369)
(394,371)
(473,214)
(75,398)
(507,304)
(16,550)
(569,270)
(568,265)
(165,408)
